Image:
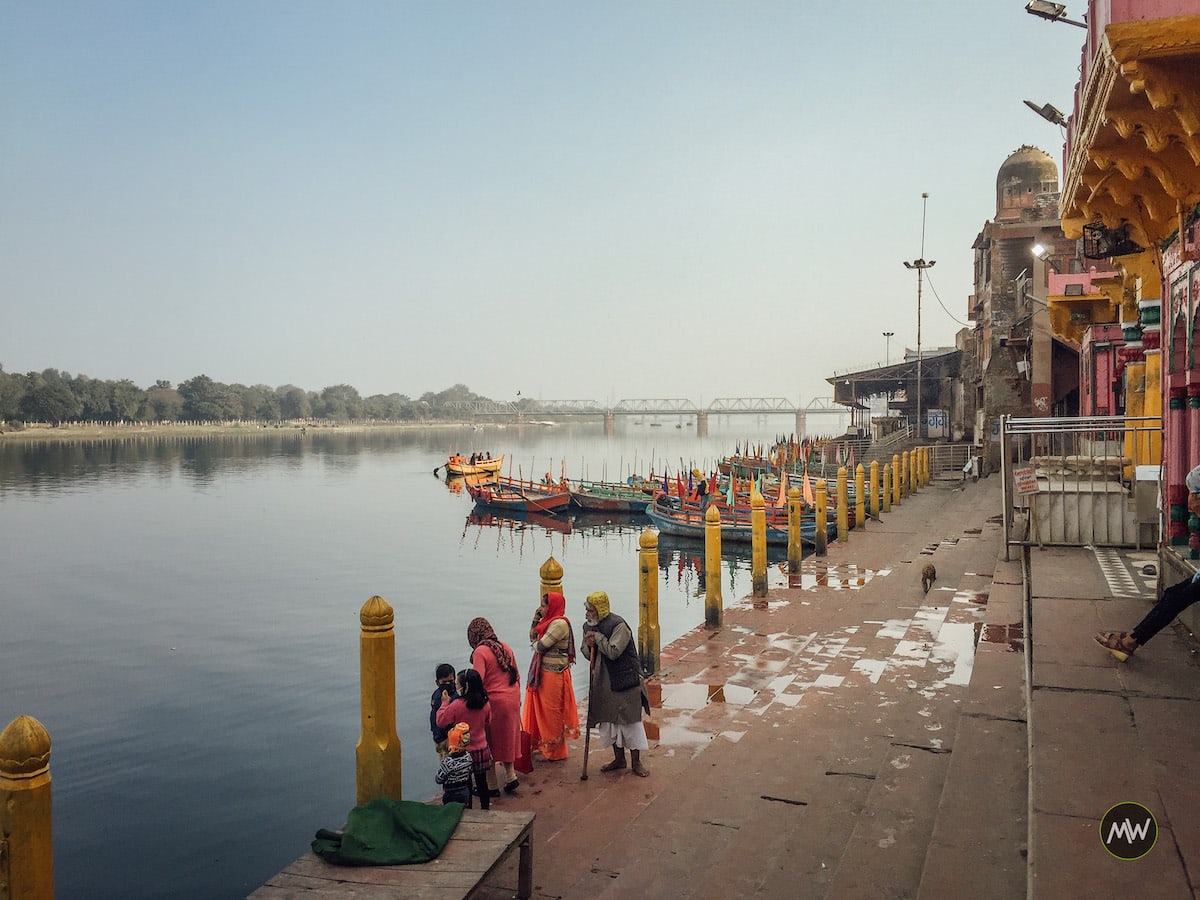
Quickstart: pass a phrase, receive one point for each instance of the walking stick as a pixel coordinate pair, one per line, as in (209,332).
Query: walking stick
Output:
(587,738)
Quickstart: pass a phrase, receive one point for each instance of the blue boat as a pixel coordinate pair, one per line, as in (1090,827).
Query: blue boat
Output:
(689,523)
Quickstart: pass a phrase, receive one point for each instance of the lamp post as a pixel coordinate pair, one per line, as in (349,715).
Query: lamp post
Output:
(1051,12)
(887,347)
(920,264)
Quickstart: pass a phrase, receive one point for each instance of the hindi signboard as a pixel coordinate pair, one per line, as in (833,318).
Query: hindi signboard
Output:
(1024,480)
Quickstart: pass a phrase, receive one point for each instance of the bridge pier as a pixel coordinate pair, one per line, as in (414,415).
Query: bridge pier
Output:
(610,423)
(701,423)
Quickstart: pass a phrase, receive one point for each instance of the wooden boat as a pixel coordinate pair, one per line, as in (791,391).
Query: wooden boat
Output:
(688,521)
(514,495)
(462,465)
(611,496)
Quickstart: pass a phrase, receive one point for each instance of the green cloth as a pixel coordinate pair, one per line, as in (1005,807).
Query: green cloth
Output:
(389,832)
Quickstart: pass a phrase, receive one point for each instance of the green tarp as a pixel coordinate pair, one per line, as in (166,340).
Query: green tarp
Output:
(389,832)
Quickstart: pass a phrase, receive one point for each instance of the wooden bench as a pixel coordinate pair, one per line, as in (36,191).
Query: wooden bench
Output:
(480,843)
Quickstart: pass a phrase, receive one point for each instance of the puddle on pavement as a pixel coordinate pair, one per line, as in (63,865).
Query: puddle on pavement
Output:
(1013,635)
(840,577)
(692,696)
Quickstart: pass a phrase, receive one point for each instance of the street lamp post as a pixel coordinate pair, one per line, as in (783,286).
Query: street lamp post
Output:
(920,264)
(887,347)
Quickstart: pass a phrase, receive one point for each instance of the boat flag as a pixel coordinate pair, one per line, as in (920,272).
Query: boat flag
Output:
(783,489)
(679,485)
(808,491)
(666,484)
(731,492)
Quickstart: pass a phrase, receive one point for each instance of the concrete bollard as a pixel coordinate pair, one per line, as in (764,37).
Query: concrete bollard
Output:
(551,574)
(378,751)
(905,484)
(875,488)
(712,568)
(860,497)
(822,534)
(649,636)
(886,488)
(795,550)
(26,839)
(843,506)
(926,456)
(897,475)
(758,548)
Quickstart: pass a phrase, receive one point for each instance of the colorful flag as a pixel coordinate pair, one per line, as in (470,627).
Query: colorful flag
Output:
(782,498)
(808,491)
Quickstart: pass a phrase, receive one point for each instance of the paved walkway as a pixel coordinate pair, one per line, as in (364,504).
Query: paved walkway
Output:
(859,738)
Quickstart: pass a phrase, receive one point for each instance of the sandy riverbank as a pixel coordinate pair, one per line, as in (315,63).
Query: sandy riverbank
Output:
(92,431)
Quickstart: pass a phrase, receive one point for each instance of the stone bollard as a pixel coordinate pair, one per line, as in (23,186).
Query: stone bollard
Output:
(822,534)
(649,636)
(860,497)
(758,548)
(926,456)
(378,751)
(712,568)
(551,574)
(26,844)
(795,551)
(876,491)
(886,487)
(897,475)
(843,506)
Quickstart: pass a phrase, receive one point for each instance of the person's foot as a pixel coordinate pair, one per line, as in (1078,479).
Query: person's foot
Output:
(613,766)
(493,792)
(511,787)
(1118,643)
(640,770)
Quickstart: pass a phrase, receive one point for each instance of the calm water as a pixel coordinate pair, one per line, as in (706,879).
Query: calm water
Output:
(182,616)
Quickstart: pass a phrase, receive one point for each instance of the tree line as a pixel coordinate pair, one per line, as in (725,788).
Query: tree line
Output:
(54,397)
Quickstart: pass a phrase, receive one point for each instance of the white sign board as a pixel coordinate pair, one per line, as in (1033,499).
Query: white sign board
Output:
(1024,480)
(937,423)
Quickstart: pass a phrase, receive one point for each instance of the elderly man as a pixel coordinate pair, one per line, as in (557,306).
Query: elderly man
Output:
(617,694)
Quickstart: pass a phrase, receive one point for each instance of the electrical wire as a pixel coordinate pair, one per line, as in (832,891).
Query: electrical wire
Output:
(943,305)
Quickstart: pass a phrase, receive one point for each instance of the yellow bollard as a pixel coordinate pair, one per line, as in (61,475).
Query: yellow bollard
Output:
(926,458)
(904,476)
(795,551)
(860,497)
(649,636)
(551,574)
(26,840)
(886,487)
(897,475)
(712,568)
(822,533)
(378,751)
(758,547)
(875,491)
(843,503)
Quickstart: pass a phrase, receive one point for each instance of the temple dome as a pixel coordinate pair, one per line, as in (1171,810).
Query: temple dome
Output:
(1027,174)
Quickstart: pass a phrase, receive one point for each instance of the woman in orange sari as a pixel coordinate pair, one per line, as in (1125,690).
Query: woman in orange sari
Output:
(551,715)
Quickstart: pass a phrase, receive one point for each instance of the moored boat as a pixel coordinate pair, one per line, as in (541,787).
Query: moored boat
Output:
(688,521)
(611,496)
(515,495)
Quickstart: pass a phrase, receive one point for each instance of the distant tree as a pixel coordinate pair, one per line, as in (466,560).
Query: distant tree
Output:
(163,402)
(12,389)
(50,402)
(200,399)
(293,402)
(127,399)
(340,402)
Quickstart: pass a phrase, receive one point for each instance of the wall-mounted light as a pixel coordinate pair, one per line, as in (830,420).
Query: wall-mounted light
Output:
(1049,113)
(1041,252)
(1052,12)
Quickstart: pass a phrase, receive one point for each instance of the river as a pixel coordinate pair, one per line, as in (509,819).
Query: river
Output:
(182,616)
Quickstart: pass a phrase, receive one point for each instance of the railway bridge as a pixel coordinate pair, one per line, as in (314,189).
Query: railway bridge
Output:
(664,406)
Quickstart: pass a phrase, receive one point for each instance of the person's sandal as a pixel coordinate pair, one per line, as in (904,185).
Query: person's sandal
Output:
(1114,643)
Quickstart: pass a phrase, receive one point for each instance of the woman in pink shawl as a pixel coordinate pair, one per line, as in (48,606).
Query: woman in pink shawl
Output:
(493,660)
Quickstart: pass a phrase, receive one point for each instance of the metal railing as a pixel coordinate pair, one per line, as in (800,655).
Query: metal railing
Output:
(1081,481)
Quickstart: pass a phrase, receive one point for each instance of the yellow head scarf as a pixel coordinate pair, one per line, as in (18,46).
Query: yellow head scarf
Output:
(598,600)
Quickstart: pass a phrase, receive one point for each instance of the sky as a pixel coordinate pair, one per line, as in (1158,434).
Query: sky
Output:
(569,200)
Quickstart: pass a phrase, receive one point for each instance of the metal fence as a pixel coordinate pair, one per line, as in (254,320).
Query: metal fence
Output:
(1081,481)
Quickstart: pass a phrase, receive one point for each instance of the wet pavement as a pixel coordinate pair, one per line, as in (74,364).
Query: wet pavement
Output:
(803,749)
(857,737)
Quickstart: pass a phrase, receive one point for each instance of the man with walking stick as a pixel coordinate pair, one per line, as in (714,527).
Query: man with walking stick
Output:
(617,694)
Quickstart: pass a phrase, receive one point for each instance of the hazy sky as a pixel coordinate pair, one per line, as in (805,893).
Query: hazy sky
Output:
(572,200)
